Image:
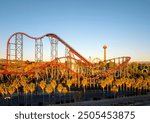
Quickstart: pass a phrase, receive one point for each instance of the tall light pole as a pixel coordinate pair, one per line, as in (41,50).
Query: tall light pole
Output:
(105,47)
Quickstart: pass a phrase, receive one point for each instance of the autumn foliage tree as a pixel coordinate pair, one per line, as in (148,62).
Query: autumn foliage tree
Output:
(49,90)
(42,86)
(26,91)
(31,89)
(11,90)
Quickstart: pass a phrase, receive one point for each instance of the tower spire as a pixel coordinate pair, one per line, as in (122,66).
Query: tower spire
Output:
(105,47)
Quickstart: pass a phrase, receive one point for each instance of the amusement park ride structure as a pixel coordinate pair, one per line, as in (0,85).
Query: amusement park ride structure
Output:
(72,63)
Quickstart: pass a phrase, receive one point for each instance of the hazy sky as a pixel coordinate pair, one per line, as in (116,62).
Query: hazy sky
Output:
(124,25)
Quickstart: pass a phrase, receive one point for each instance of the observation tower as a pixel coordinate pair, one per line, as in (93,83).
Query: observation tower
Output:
(105,47)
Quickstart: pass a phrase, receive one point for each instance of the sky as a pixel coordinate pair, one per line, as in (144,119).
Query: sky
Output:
(86,25)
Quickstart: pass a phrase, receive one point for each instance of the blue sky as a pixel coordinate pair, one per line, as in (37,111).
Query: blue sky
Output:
(124,25)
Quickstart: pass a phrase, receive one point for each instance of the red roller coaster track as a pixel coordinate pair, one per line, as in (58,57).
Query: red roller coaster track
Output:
(124,61)
(46,35)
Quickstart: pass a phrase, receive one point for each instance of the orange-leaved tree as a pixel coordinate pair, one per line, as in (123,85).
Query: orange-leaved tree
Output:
(11,89)
(31,89)
(42,86)
(59,89)
(53,84)
(49,89)
(2,91)
(26,90)
(84,83)
(69,83)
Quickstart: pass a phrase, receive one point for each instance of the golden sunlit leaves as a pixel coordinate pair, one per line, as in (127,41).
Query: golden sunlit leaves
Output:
(2,90)
(53,84)
(25,89)
(42,85)
(16,83)
(65,91)
(103,84)
(54,78)
(84,82)
(23,81)
(49,88)
(59,88)
(114,89)
(31,87)
(11,89)
(69,83)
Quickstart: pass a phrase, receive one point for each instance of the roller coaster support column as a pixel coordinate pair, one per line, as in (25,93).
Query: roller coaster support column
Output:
(19,47)
(54,48)
(14,51)
(54,55)
(68,61)
(38,50)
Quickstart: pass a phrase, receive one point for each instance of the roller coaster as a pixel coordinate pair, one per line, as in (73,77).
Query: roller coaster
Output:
(72,62)
(66,70)
(65,74)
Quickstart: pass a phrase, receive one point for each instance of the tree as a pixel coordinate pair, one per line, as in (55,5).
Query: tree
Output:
(84,83)
(139,81)
(53,84)
(59,88)
(74,81)
(42,86)
(64,91)
(46,71)
(23,81)
(103,84)
(26,90)
(114,89)
(31,89)
(49,90)
(2,91)
(69,83)
(16,84)
(5,87)
(11,90)
(108,81)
